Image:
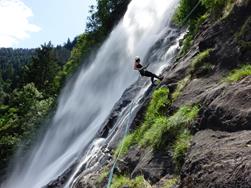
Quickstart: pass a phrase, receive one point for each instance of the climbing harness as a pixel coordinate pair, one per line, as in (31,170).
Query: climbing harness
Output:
(127,126)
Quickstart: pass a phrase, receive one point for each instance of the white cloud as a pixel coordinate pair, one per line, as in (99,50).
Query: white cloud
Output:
(14,23)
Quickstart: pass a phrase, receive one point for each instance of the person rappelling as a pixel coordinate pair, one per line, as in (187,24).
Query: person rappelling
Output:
(143,72)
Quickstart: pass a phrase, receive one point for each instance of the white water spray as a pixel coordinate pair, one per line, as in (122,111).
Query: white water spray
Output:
(83,108)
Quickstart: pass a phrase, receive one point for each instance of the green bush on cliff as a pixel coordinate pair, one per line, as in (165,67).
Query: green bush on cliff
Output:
(180,148)
(186,44)
(155,109)
(157,104)
(238,74)
(186,15)
(181,85)
(167,129)
(186,10)
(122,181)
(152,137)
(200,64)
(200,59)
(170,183)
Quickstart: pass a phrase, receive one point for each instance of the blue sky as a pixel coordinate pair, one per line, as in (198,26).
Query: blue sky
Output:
(30,23)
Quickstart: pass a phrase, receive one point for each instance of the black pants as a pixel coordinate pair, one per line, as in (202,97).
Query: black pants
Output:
(149,74)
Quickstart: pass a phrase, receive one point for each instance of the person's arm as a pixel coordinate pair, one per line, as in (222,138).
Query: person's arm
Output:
(137,66)
(144,67)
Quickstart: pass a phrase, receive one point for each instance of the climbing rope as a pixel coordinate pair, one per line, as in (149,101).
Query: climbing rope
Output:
(121,147)
(130,113)
(191,12)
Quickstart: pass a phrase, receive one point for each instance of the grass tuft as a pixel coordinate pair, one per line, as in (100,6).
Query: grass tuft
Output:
(238,74)
(152,137)
(169,128)
(200,59)
(122,181)
(170,183)
(180,148)
(155,109)
(181,85)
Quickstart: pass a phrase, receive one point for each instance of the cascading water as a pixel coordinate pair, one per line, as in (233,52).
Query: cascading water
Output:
(85,103)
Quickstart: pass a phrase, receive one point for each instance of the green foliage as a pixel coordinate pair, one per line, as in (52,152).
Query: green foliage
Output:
(153,136)
(163,130)
(155,109)
(184,10)
(120,181)
(193,30)
(181,85)
(238,74)
(216,7)
(170,183)
(212,9)
(168,128)
(21,118)
(200,59)
(186,44)
(158,102)
(11,63)
(200,63)
(180,148)
(43,69)
(26,98)
(31,79)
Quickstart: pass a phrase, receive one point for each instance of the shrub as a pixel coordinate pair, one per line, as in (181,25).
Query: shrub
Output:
(200,59)
(181,85)
(155,109)
(215,7)
(158,103)
(185,9)
(186,15)
(200,64)
(120,181)
(238,74)
(169,128)
(180,148)
(186,44)
(152,137)
(170,183)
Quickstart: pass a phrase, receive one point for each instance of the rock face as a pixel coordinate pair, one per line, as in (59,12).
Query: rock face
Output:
(218,159)
(231,110)
(152,165)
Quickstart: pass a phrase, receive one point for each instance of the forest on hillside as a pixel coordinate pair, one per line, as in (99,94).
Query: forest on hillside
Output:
(31,79)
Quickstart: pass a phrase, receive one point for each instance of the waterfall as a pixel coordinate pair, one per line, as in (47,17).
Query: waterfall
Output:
(85,102)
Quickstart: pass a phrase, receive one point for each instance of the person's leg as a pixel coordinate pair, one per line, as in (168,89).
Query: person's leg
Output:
(149,74)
